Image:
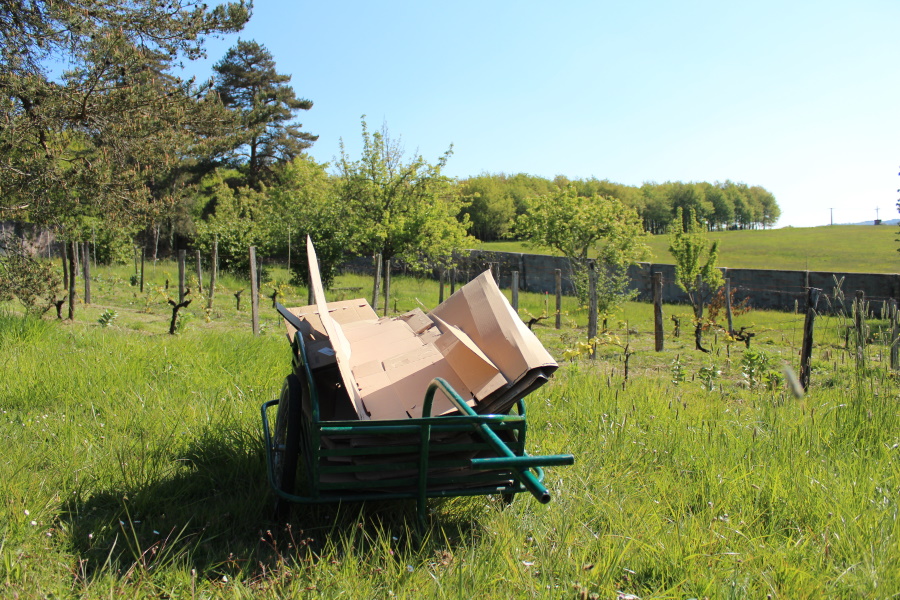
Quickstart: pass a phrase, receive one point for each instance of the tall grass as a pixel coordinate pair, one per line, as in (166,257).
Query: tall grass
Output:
(132,467)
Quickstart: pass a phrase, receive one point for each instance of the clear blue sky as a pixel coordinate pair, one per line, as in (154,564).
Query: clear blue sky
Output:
(802,98)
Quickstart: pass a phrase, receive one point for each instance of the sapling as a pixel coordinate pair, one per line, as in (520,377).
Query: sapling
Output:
(687,243)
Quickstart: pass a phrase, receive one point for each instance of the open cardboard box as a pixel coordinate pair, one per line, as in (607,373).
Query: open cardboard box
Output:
(474,340)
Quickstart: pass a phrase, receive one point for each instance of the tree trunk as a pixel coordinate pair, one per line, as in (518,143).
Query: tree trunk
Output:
(698,317)
(72,277)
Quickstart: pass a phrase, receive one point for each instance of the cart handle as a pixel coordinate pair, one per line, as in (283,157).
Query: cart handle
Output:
(290,317)
(518,465)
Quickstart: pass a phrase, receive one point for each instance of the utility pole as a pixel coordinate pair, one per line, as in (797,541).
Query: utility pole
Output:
(832,215)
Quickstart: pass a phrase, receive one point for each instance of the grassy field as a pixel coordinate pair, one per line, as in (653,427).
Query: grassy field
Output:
(133,466)
(849,248)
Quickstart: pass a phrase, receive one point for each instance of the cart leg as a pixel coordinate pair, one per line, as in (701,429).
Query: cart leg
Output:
(286,442)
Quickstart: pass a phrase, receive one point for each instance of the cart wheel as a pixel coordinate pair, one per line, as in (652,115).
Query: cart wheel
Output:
(286,443)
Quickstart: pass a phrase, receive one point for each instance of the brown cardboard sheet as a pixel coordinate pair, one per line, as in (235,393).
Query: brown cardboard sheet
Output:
(481,310)
(474,340)
(338,342)
(318,347)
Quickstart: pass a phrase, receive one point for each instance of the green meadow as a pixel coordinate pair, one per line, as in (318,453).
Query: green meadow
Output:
(841,248)
(133,466)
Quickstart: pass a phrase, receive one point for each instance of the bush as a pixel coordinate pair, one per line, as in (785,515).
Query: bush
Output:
(33,282)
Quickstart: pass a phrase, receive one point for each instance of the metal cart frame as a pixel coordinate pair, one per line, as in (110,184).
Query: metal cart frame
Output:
(466,454)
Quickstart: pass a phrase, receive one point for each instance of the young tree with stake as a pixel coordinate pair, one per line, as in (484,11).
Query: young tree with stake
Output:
(687,243)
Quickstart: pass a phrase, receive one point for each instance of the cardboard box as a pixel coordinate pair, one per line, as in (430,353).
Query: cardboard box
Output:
(474,340)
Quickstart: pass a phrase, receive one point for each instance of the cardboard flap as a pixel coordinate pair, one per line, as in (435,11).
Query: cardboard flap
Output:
(319,351)
(475,369)
(335,334)
(481,310)
(417,320)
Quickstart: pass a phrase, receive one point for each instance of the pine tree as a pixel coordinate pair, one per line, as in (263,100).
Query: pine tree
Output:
(88,141)
(247,82)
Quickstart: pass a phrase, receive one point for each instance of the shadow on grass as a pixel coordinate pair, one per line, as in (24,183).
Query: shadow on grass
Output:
(217,518)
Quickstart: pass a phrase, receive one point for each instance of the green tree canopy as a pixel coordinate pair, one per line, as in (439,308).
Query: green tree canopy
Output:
(247,83)
(398,207)
(304,203)
(696,275)
(491,209)
(235,219)
(88,141)
(580,227)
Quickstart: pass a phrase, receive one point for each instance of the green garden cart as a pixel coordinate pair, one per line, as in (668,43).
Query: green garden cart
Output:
(318,452)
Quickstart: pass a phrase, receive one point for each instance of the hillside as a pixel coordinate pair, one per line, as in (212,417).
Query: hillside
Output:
(852,248)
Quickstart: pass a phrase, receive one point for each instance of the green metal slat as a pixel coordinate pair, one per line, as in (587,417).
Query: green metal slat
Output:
(523,462)
(423,454)
(406,450)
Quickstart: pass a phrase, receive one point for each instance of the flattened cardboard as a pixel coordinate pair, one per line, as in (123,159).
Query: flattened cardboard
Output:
(474,340)
(481,310)
(417,320)
(478,373)
(398,391)
(318,347)
(335,334)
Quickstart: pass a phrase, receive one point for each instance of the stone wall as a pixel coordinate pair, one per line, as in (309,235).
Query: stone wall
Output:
(765,288)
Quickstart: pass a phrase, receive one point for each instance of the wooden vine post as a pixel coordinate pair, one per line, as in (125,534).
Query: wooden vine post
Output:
(86,264)
(199,275)
(895,336)
(658,332)
(254,292)
(515,291)
(181,288)
(376,290)
(213,272)
(860,323)
(65,265)
(387,286)
(558,275)
(812,299)
(73,256)
(728,306)
(592,308)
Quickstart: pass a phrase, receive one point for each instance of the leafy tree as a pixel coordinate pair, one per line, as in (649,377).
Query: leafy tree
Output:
(769,212)
(524,187)
(236,221)
(629,195)
(722,213)
(491,209)
(657,213)
(247,82)
(398,207)
(35,283)
(85,142)
(578,227)
(305,203)
(689,198)
(697,278)
(744,213)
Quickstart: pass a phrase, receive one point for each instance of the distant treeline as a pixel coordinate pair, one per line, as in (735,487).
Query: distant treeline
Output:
(496,200)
